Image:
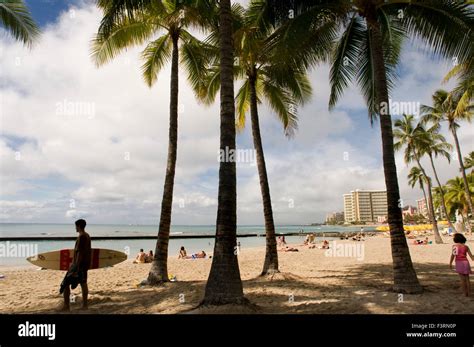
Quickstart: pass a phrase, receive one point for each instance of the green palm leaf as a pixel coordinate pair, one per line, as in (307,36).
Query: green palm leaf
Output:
(242,101)
(15,17)
(347,53)
(156,54)
(283,104)
(196,57)
(123,34)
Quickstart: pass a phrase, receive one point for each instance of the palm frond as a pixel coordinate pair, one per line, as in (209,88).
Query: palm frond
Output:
(123,34)
(156,54)
(242,101)
(347,53)
(15,17)
(196,57)
(444,25)
(281,101)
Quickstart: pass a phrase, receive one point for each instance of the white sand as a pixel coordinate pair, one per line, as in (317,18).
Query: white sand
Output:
(310,282)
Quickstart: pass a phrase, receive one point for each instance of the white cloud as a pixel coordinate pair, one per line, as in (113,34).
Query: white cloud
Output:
(75,214)
(99,137)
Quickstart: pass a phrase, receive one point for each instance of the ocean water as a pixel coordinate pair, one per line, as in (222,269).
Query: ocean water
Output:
(14,253)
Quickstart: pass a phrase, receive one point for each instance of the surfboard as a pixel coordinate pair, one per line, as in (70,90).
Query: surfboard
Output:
(62,259)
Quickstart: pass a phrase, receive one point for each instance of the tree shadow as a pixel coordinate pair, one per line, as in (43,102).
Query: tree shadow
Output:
(356,289)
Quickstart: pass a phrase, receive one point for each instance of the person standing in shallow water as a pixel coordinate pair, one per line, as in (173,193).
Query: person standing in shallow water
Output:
(80,264)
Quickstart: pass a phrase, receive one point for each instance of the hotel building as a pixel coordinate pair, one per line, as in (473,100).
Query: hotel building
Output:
(334,217)
(422,207)
(365,205)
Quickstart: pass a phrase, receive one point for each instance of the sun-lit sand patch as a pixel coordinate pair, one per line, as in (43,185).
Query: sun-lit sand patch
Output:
(309,282)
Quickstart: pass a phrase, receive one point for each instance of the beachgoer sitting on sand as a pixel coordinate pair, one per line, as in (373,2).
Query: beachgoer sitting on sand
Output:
(149,257)
(306,240)
(182,253)
(309,239)
(409,235)
(324,245)
(358,237)
(281,241)
(140,258)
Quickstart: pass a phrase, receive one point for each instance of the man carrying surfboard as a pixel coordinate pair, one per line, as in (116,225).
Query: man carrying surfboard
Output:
(80,265)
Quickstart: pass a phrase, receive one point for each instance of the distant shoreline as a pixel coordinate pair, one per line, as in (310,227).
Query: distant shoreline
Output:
(328,234)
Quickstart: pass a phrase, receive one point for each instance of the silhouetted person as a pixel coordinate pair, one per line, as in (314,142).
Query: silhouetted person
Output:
(80,264)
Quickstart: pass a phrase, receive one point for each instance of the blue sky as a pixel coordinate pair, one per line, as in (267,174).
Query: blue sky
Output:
(104,157)
(47,11)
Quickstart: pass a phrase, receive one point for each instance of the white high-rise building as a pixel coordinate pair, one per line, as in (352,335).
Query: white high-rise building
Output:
(422,207)
(365,205)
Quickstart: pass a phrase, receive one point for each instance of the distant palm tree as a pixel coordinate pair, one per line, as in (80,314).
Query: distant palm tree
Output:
(456,197)
(415,176)
(169,19)
(16,19)
(368,52)
(445,109)
(414,138)
(267,78)
(469,162)
(435,145)
(437,196)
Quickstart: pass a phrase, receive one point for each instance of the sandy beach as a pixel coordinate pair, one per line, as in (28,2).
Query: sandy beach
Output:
(311,281)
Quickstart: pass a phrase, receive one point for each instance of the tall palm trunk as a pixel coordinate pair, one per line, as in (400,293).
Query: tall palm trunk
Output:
(441,190)
(464,177)
(404,275)
(434,222)
(464,217)
(271,255)
(159,268)
(224,285)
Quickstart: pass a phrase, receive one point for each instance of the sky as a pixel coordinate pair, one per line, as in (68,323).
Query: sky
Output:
(77,141)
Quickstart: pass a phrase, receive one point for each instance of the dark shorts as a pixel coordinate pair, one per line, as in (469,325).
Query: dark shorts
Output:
(82,276)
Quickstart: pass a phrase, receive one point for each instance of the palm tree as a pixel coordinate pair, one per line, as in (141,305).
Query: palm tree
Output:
(437,196)
(224,285)
(15,17)
(456,197)
(368,52)
(469,162)
(264,78)
(415,176)
(169,20)
(464,72)
(434,146)
(414,138)
(445,109)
